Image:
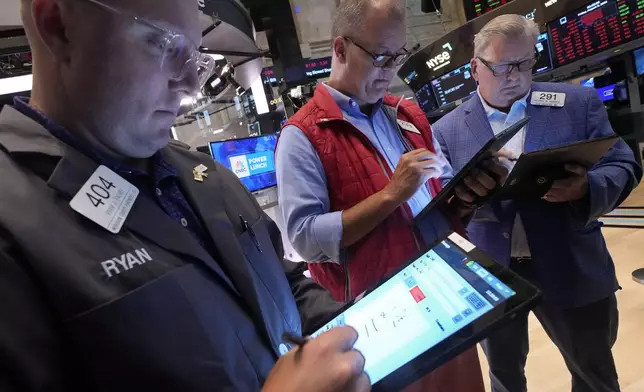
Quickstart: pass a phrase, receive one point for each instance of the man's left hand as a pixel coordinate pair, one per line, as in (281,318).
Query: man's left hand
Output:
(572,188)
(481,182)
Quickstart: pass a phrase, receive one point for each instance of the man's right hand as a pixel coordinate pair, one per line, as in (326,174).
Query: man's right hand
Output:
(414,169)
(327,363)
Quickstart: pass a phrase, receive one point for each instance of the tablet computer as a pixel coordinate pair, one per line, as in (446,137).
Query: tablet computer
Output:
(433,309)
(534,172)
(492,146)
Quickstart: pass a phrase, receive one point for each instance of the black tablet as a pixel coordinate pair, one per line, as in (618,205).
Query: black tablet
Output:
(492,146)
(433,309)
(534,172)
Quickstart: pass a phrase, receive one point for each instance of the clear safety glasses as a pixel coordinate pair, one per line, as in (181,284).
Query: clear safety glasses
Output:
(178,54)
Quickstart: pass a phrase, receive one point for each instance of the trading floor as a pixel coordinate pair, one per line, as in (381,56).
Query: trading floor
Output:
(546,371)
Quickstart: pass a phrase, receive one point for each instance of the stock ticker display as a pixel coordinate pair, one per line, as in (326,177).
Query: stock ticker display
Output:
(598,26)
(476,8)
(455,85)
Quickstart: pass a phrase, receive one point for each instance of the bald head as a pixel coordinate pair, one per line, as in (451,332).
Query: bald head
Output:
(105,74)
(354,17)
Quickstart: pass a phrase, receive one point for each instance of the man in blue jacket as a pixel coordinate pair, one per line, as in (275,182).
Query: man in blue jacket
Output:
(555,241)
(119,271)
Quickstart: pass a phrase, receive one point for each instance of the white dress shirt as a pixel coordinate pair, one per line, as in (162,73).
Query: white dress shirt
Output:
(499,121)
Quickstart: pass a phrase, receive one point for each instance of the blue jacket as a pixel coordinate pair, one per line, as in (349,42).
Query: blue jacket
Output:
(570,261)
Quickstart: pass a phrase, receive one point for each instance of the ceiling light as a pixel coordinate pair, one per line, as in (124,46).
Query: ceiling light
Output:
(187,101)
(216,56)
(215,82)
(217,131)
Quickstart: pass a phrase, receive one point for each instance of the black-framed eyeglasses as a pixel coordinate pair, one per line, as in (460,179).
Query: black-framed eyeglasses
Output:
(177,53)
(507,68)
(383,60)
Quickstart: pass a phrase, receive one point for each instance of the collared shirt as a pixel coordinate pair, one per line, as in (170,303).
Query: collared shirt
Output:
(162,183)
(315,232)
(499,121)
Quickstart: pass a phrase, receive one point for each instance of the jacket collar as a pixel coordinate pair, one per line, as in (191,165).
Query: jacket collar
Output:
(28,141)
(477,121)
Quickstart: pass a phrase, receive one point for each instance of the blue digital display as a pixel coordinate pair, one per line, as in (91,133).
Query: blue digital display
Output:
(437,295)
(606,93)
(252,160)
(639,61)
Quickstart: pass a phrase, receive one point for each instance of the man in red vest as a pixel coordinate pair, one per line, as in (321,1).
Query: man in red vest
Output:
(355,166)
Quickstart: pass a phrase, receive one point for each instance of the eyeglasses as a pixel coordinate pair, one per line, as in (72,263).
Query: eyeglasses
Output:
(178,54)
(383,60)
(507,68)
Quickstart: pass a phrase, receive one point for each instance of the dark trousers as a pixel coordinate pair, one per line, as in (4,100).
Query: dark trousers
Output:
(584,336)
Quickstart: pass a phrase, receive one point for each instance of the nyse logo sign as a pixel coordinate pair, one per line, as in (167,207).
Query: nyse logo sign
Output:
(531,15)
(239,165)
(441,60)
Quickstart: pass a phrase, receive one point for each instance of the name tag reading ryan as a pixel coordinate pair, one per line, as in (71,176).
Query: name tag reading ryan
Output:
(106,199)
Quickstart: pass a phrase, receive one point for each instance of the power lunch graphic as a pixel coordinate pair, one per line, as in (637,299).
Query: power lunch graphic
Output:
(253,164)
(251,159)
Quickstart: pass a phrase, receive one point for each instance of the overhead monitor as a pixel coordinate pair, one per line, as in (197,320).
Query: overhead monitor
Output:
(476,8)
(594,28)
(251,159)
(425,98)
(545,61)
(268,76)
(639,61)
(318,68)
(455,85)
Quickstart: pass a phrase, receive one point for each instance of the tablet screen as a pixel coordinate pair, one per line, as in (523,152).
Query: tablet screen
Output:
(438,294)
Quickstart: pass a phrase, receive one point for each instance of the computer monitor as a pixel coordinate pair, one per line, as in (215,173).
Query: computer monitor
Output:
(606,93)
(425,98)
(455,85)
(251,159)
(598,26)
(639,61)
(543,48)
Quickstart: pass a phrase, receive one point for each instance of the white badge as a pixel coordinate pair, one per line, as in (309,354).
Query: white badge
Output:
(106,198)
(540,98)
(407,126)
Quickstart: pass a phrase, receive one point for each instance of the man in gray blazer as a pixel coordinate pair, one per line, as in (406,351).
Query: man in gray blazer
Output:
(556,242)
(128,263)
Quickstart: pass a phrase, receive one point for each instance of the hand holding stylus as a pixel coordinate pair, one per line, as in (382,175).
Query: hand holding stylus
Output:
(327,363)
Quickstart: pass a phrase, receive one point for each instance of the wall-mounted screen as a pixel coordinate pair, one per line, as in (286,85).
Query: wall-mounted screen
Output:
(606,93)
(251,159)
(639,61)
(476,8)
(545,61)
(454,85)
(268,76)
(599,26)
(318,68)
(425,98)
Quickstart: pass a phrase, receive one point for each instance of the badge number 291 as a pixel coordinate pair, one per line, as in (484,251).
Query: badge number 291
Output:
(548,99)
(106,198)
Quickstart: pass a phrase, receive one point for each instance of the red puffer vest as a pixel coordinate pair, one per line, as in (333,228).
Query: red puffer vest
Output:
(355,171)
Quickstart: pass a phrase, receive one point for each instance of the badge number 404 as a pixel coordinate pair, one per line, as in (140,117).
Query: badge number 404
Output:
(106,198)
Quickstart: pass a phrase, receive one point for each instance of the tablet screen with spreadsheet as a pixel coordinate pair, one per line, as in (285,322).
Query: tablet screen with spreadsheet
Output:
(440,304)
